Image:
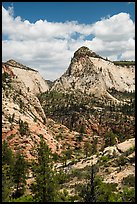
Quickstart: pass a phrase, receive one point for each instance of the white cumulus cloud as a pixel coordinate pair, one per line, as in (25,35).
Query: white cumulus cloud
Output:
(49,46)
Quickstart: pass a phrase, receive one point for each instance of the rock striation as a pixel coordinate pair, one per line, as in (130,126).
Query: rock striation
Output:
(20,86)
(92,74)
(28,76)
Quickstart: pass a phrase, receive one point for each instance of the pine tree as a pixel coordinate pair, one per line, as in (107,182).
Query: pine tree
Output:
(23,128)
(44,187)
(94,146)
(110,139)
(20,173)
(7,155)
(7,172)
(7,183)
(87,148)
(96,190)
(88,193)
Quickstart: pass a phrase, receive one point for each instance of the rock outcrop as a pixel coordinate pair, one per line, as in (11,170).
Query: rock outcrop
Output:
(92,74)
(126,145)
(31,78)
(20,86)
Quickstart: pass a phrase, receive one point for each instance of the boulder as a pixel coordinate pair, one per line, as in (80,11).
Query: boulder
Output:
(126,145)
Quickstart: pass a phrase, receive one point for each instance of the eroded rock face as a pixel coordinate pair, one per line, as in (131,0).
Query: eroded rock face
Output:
(126,145)
(31,78)
(91,74)
(20,103)
(119,148)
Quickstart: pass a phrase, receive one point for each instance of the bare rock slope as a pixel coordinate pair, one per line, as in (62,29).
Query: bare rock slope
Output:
(30,77)
(23,118)
(92,74)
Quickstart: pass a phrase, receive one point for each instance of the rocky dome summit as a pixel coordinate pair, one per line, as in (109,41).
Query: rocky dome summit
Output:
(92,74)
(25,77)
(13,63)
(85,51)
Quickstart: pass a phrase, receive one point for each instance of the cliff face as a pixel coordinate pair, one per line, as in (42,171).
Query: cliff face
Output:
(91,74)
(23,118)
(83,125)
(29,77)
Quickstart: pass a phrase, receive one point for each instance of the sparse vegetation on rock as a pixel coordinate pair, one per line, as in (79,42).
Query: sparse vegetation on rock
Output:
(84,119)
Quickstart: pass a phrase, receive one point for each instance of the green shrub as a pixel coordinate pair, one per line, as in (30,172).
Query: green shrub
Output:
(27,198)
(129,151)
(6,78)
(23,128)
(101,192)
(10,137)
(65,197)
(21,104)
(82,129)
(61,177)
(104,159)
(122,160)
(105,192)
(124,63)
(110,139)
(77,173)
(79,138)
(128,195)
(129,181)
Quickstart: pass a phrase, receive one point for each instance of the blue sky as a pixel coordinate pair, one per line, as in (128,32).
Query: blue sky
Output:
(59,28)
(83,12)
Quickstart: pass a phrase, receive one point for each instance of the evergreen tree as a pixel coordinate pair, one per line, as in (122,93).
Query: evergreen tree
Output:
(44,186)
(23,128)
(110,139)
(82,129)
(88,191)
(7,183)
(94,146)
(66,154)
(97,191)
(7,155)
(19,174)
(87,148)
(7,171)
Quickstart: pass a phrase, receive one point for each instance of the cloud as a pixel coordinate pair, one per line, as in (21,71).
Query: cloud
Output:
(115,28)
(49,46)
(131,2)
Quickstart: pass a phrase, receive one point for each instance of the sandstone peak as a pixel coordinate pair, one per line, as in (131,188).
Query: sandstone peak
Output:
(16,64)
(11,61)
(92,74)
(25,76)
(85,51)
